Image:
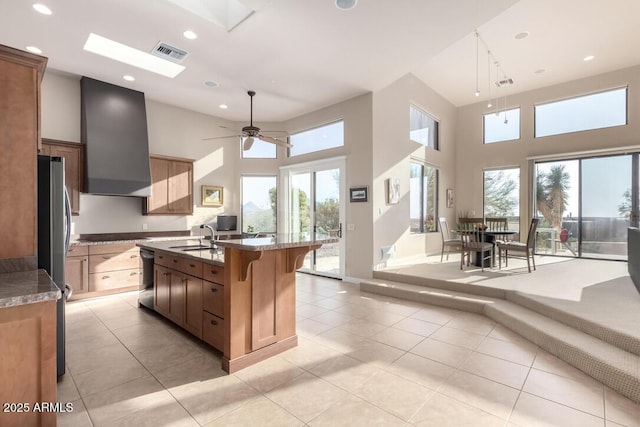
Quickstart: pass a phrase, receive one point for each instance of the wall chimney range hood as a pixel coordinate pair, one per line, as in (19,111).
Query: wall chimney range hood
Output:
(114,131)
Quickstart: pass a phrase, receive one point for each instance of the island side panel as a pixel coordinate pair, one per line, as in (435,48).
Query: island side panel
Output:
(264,295)
(237,306)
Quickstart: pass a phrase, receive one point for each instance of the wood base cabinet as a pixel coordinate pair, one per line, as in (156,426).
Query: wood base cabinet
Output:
(28,363)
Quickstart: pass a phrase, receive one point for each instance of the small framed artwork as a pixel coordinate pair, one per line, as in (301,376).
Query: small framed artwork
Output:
(359,194)
(212,195)
(393,191)
(449,197)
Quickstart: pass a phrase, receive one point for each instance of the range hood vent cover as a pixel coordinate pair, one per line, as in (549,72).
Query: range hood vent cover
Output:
(114,131)
(171,53)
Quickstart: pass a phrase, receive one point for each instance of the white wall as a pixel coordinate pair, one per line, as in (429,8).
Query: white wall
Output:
(392,154)
(473,156)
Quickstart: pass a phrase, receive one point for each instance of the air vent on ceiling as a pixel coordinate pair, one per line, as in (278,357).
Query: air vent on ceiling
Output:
(171,53)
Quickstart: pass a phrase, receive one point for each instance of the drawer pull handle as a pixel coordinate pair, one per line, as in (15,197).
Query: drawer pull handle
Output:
(160,256)
(214,271)
(214,289)
(192,265)
(132,273)
(175,261)
(214,322)
(134,256)
(106,257)
(105,277)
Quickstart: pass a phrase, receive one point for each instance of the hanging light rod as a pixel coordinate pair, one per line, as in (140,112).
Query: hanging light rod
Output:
(493,59)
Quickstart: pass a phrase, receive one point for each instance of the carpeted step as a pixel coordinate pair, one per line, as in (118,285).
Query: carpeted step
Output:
(602,332)
(448,285)
(613,366)
(427,295)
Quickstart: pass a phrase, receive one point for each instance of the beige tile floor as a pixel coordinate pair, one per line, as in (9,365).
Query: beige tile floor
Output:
(362,360)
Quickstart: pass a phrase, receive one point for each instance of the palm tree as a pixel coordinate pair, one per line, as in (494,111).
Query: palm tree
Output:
(552,194)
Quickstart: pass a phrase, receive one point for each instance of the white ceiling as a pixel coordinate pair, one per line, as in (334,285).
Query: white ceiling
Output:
(302,55)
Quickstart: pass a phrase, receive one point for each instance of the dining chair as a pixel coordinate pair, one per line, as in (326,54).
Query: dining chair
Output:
(448,241)
(498,224)
(473,240)
(469,223)
(527,248)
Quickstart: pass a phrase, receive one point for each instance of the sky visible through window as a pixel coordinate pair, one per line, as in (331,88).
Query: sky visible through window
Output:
(502,126)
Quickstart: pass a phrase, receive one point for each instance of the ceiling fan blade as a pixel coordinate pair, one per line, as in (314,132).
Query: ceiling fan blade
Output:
(222,137)
(281,133)
(274,141)
(248,143)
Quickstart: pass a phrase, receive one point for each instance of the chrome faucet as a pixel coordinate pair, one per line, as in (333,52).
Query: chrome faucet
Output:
(213,235)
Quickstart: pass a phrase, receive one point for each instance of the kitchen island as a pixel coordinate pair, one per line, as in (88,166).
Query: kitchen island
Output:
(240,297)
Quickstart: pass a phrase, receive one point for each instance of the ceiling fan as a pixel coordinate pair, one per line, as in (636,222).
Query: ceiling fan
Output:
(251,132)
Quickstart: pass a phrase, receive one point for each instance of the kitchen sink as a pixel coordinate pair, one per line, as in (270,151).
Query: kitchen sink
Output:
(196,248)
(190,247)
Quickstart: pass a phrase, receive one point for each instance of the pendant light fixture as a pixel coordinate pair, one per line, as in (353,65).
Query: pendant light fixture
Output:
(489,104)
(477,63)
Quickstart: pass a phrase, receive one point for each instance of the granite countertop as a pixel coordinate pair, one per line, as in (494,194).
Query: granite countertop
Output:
(27,287)
(212,256)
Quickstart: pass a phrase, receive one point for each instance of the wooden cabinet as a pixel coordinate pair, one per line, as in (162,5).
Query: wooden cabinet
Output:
(73,154)
(76,269)
(172,187)
(20,77)
(182,296)
(162,286)
(114,266)
(28,364)
(193,305)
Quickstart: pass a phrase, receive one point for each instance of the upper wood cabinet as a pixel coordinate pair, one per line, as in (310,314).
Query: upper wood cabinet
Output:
(171,187)
(73,154)
(20,77)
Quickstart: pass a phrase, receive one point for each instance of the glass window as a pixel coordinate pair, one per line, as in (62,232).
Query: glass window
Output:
(423,128)
(595,111)
(502,195)
(423,198)
(259,204)
(502,126)
(259,150)
(317,139)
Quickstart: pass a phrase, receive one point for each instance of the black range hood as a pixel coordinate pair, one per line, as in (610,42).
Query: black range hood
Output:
(114,131)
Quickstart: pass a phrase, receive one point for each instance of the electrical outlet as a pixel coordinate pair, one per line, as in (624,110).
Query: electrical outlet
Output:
(351,227)
(145,226)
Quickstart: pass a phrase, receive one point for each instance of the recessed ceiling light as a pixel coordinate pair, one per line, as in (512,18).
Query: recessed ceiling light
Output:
(223,106)
(128,78)
(346,4)
(40,8)
(34,49)
(589,57)
(209,83)
(521,35)
(123,53)
(540,71)
(190,35)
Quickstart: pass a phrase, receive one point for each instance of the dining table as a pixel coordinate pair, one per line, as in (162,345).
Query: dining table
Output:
(489,236)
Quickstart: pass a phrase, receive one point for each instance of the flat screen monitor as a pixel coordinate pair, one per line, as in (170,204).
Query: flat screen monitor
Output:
(227,222)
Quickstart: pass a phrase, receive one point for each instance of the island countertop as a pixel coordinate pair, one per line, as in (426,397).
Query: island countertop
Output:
(26,287)
(188,247)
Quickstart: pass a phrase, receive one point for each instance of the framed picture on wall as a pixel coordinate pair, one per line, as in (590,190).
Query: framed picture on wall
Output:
(393,191)
(212,195)
(359,194)
(449,197)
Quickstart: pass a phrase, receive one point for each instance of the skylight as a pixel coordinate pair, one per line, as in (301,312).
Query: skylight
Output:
(128,55)
(226,13)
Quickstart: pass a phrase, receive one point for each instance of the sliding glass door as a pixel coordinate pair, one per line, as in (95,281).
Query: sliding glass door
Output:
(315,205)
(585,206)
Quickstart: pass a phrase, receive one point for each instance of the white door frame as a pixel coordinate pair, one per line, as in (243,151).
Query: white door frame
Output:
(284,196)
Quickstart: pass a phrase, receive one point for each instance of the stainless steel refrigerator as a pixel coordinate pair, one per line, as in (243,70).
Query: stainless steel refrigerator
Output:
(54,232)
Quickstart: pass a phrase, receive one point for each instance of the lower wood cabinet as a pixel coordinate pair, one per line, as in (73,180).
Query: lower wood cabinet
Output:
(76,273)
(185,298)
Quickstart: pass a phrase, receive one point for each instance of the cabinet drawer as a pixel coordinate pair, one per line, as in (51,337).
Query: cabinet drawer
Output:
(113,262)
(78,250)
(112,248)
(213,298)
(114,280)
(191,267)
(213,273)
(213,330)
(167,260)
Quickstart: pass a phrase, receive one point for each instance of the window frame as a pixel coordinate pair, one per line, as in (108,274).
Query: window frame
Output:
(424,197)
(584,95)
(436,131)
(484,125)
(291,136)
(242,200)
